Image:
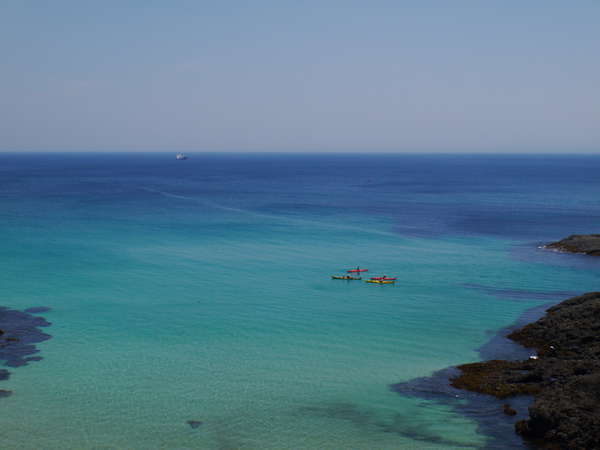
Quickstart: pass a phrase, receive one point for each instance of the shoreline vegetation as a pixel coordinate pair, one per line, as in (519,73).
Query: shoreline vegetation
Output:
(562,374)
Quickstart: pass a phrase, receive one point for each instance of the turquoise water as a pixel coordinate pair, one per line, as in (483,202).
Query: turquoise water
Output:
(201,290)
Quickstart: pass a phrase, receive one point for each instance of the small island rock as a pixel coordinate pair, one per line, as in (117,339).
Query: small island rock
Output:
(579,243)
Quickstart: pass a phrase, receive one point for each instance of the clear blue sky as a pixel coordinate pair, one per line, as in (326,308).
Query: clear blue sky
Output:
(329,75)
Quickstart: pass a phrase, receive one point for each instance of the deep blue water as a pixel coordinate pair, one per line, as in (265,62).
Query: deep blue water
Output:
(429,195)
(200,290)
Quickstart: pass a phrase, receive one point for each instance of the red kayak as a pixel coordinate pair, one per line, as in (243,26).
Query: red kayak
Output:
(383,278)
(357,270)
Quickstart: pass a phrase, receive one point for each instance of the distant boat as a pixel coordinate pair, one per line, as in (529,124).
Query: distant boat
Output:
(344,277)
(181,156)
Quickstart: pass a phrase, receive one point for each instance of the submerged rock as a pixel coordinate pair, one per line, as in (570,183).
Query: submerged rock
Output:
(579,243)
(19,331)
(508,410)
(194,423)
(564,378)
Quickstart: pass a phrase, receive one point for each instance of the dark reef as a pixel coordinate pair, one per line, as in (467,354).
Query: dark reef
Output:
(401,423)
(19,331)
(194,423)
(579,243)
(488,412)
(564,376)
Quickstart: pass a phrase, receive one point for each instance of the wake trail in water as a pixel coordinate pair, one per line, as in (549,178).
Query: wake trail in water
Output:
(271,216)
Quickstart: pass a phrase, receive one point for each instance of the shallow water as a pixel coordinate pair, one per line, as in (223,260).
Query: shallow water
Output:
(201,290)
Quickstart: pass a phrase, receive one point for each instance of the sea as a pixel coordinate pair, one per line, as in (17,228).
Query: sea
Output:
(192,306)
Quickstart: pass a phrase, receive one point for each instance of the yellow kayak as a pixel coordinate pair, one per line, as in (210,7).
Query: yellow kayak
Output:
(381,281)
(344,277)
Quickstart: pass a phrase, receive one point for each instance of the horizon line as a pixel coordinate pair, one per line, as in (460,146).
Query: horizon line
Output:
(310,152)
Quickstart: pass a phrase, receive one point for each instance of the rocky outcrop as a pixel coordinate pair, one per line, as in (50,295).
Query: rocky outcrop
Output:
(564,376)
(579,243)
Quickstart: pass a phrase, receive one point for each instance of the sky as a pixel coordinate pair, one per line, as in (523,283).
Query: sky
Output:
(316,76)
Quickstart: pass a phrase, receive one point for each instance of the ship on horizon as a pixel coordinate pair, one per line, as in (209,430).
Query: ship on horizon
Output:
(181,156)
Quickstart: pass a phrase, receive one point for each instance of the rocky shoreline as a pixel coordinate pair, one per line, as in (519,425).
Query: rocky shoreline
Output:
(588,244)
(563,376)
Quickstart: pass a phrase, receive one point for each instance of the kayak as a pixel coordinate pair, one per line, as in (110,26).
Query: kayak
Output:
(381,281)
(344,277)
(383,278)
(357,270)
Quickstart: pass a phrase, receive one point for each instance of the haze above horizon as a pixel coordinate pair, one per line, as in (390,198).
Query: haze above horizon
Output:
(331,76)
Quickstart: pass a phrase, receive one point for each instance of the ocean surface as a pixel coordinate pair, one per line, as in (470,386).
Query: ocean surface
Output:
(200,290)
